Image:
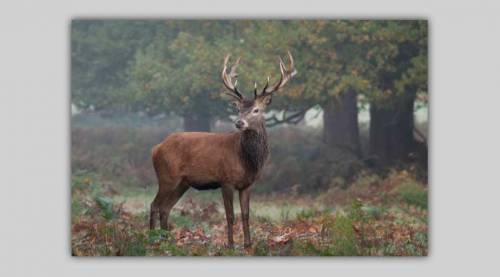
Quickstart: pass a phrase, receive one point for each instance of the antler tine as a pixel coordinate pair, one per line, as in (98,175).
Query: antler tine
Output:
(286,75)
(263,90)
(267,83)
(232,72)
(282,67)
(227,79)
(292,64)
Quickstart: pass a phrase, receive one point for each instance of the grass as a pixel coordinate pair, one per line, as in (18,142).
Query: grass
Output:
(109,220)
(412,194)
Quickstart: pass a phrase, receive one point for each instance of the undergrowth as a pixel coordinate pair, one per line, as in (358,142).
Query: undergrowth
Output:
(388,221)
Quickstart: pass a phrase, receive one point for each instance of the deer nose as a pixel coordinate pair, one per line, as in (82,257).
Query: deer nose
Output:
(239,123)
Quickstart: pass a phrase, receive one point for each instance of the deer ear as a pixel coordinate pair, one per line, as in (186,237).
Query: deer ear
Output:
(236,104)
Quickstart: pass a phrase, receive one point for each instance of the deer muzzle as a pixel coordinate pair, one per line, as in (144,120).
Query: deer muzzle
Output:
(241,124)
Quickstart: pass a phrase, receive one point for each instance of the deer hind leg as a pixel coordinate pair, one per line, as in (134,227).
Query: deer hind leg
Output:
(159,165)
(167,182)
(169,202)
(154,214)
(227,196)
(154,211)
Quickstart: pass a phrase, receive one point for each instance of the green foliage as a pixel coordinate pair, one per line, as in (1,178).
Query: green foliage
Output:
(307,248)
(76,208)
(136,246)
(100,53)
(181,221)
(180,75)
(105,204)
(157,235)
(372,211)
(261,248)
(174,66)
(355,211)
(342,236)
(368,56)
(413,194)
(82,179)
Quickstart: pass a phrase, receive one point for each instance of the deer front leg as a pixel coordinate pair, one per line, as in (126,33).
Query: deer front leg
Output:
(227,196)
(245,215)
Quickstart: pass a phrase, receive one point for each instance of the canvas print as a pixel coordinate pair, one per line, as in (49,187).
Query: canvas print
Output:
(249,137)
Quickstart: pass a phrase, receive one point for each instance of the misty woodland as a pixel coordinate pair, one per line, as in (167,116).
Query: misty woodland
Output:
(317,128)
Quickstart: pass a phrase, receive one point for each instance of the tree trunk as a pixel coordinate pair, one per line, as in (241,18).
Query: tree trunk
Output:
(196,123)
(340,123)
(391,131)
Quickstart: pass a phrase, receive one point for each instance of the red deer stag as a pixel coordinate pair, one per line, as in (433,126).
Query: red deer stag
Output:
(230,161)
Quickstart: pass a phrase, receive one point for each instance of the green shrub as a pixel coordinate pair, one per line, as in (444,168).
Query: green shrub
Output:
(412,193)
(158,235)
(136,246)
(261,248)
(355,211)
(372,211)
(342,237)
(105,205)
(76,207)
(83,179)
(306,248)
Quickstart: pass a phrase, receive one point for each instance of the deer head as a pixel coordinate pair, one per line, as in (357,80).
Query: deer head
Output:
(251,111)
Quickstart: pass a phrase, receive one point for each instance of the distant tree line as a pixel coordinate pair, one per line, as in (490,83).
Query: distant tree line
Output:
(173,67)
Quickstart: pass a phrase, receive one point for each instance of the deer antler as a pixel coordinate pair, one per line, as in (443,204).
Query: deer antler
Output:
(286,75)
(228,79)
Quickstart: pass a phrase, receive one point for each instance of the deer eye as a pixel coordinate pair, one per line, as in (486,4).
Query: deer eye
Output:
(255,111)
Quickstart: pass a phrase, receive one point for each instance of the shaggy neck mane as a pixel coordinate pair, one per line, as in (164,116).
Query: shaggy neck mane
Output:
(254,148)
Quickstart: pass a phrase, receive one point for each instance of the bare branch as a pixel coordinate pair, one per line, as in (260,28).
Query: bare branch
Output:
(295,118)
(420,135)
